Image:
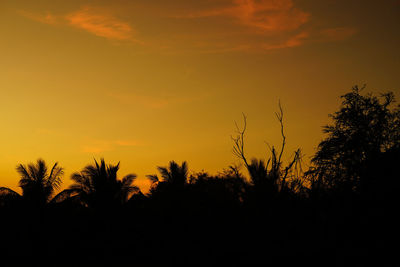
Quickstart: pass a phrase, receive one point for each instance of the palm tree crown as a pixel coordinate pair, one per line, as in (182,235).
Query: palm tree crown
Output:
(97,185)
(37,183)
(173,174)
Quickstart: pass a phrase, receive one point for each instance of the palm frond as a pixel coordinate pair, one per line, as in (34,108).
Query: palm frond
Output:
(54,179)
(184,168)
(82,182)
(63,195)
(32,172)
(5,191)
(8,196)
(77,177)
(153,178)
(165,174)
(40,170)
(128,179)
(21,169)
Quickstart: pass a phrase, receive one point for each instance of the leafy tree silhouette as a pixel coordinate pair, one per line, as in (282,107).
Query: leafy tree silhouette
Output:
(364,127)
(37,184)
(97,185)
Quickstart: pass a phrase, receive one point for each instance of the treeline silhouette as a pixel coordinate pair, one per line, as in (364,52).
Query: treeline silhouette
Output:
(341,211)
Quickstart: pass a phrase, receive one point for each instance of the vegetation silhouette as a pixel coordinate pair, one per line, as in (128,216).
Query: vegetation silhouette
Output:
(270,180)
(363,129)
(37,184)
(341,211)
(97,186)
(173,174)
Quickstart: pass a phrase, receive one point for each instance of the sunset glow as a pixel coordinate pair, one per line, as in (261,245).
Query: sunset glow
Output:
(146,82)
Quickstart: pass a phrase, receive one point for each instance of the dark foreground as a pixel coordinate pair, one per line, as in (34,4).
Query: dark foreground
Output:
(327,233)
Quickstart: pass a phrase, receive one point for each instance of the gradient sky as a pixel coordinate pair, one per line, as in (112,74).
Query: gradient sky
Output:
(146,82)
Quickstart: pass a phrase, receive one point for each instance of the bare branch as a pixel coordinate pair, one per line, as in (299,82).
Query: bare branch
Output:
(294,162)
(238,141)
(279,115)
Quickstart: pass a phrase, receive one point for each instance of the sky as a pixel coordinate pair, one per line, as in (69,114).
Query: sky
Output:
(146,82)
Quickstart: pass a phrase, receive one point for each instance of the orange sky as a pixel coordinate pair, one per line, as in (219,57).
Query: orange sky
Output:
(146,82)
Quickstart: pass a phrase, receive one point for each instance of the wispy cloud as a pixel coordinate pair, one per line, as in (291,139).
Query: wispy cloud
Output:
(46,18)
(100,23)
(296,40)
(216,26)
(264,15)
(94,20)
(100,146)
(267,25)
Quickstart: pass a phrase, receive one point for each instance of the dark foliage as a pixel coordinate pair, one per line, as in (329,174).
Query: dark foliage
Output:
(37,184)
(340,212)
(97,186)
(363,129)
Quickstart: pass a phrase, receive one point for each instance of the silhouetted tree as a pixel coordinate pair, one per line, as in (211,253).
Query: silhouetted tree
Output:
(97,185)
(364,127)
(37,183)
(174,176)
(270,177)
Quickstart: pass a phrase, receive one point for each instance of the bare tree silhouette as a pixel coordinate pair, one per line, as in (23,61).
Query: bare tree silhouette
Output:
(272,176)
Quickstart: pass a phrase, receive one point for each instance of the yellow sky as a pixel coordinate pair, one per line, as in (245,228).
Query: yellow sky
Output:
(146,82)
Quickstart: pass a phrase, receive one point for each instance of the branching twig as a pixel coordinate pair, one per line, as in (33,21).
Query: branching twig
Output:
(238,141)
(280,119)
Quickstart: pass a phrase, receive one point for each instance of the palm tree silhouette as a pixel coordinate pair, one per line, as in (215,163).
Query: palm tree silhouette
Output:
(37,184)
(173,174)
(97,185)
